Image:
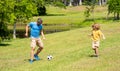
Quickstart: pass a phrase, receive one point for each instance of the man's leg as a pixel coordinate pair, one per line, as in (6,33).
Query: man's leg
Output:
(33,44)
(39,50)
(32,53)
(36,54)
(40,45)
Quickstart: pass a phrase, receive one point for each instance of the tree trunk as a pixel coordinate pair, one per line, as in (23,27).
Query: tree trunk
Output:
(80,2)
(100,2)
(65,2)
(14,31)
(70,2)
(117,16)
(105,1)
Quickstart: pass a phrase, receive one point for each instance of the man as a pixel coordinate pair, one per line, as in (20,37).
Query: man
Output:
(36,29)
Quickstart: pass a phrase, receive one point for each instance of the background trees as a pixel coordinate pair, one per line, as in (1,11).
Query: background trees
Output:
(6,9)
(13,11)
(23,10)
(114,7)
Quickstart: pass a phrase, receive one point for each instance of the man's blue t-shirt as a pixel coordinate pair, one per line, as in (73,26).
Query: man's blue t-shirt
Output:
(35,29)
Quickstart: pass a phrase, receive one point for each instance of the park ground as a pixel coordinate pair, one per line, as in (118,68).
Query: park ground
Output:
(71,51)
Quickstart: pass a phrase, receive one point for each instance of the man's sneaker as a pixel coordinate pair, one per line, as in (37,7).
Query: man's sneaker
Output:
(36,57)
(31,61)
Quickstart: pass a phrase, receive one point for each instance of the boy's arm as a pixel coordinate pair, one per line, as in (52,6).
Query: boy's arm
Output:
(103,36)
(27,28)
(42,34)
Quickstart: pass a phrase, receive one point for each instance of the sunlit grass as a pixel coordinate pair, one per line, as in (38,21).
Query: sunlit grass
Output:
(71,51)
(75,15)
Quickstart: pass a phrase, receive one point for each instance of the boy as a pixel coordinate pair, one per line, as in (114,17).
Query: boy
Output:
(96,35)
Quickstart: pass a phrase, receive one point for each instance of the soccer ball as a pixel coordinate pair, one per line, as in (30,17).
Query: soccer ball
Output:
(49,57)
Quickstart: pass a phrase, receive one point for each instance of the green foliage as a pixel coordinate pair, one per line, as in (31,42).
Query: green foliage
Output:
(87,12)
(6,11)
(4,32)
(90,8)
(6,8)
(114,7)
(41,10)
(24,9)
(0,39)
(40,5)
(12,11)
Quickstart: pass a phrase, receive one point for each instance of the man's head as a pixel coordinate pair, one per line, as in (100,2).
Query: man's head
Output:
(39,21)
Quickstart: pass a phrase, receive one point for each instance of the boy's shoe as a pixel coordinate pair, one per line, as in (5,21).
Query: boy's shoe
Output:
(31,61)
(96,55)
(36,57)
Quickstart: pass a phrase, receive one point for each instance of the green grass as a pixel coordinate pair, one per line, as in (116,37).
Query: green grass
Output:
(71,51)
(74,15)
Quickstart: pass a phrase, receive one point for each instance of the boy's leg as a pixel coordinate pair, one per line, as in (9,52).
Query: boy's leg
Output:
(96,51)
(95,46)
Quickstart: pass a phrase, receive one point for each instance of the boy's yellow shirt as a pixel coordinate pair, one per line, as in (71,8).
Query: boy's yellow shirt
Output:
(96,35)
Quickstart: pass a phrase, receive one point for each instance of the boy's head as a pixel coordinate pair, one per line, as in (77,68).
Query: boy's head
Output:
(96,26)
(39,21)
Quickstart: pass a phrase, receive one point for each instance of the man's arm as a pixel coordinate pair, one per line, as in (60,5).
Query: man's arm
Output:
(42,34)
(27,28)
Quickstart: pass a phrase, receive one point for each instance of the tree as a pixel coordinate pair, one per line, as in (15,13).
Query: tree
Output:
(114,7)
(11,11)
(90,9)
(6,7)
(23,10)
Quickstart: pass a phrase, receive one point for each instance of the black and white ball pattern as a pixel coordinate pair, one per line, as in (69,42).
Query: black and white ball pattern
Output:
(49,57)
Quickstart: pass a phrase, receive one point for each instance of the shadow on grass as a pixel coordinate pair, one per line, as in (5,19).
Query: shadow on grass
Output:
(89,21)
(28,60)
(94,20)
(2,44)
(55,15)
(92,56)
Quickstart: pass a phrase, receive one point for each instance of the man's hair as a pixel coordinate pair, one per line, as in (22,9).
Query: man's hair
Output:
(39,21)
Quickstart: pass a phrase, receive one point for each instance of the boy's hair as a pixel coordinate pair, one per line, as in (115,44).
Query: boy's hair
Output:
(97,26)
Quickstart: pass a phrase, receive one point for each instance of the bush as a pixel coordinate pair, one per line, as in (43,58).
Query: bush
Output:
(41,10)
(0,39)
(4,32)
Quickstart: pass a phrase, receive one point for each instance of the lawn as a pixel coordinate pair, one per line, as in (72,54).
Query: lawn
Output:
(71,51)
(70,15)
